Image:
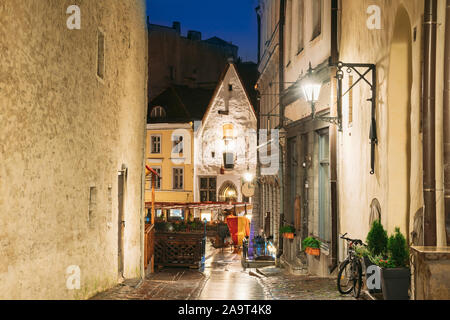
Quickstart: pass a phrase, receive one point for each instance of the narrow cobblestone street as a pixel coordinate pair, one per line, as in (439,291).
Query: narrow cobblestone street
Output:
(224,278)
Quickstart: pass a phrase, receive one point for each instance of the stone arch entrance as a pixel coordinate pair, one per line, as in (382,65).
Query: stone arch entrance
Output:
(399,124)
(228,192)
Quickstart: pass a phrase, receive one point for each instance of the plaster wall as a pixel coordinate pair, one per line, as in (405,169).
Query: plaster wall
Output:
(63,132)
(357,187)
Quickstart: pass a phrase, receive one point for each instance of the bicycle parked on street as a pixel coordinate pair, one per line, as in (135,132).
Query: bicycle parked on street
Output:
(349,279)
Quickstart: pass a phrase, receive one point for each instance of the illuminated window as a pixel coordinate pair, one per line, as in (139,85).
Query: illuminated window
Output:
(228,132)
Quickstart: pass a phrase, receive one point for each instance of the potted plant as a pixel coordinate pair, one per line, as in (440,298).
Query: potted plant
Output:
(311,246)
(395,271)
(377,240)
(288,232)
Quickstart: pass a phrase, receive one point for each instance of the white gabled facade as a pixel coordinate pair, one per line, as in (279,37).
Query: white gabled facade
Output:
(229,124)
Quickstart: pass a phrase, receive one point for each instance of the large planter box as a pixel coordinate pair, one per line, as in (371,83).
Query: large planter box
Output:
(367,264)
(395,283)
(179,249)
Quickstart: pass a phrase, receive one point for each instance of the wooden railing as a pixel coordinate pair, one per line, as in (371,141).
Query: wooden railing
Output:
(149,244)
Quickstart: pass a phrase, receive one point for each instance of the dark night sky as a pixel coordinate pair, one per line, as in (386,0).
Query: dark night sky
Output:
(230,20)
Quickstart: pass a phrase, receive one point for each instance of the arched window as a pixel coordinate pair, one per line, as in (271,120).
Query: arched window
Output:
(158,112)
(228,192)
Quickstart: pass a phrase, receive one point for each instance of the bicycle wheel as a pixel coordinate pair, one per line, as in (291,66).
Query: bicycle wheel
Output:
(357,278)
(344,279)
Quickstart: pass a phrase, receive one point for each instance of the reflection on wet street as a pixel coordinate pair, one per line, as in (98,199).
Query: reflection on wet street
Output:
(227,279)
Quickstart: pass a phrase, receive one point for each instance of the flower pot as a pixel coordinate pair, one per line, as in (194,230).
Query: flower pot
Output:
(288,235)
(367,264)
(395,283)
(313,251)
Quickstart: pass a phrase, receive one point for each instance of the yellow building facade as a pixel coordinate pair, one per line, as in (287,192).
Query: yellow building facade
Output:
(170,153)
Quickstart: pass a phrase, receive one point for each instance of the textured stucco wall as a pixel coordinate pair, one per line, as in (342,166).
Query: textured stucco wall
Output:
(356,187)
(63,130)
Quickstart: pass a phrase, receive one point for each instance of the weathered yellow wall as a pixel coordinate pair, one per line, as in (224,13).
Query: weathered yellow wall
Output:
(163,160)
(64,130)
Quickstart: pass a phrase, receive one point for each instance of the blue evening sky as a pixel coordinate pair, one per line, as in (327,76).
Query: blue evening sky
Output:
(230,20)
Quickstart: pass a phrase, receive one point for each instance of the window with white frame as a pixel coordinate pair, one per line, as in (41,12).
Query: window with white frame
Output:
(155,144)
(177,175)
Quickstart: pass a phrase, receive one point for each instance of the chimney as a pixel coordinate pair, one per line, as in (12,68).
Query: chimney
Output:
(194,35)
(177,26)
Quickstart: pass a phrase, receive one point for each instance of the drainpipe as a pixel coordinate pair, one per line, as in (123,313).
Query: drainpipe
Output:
(447,122)
(258,21)
(281,114)
(333,144)
(429,114)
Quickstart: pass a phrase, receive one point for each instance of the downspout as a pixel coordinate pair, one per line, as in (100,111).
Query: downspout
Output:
(429,114)
(281,114)
(333,143)
(447,122)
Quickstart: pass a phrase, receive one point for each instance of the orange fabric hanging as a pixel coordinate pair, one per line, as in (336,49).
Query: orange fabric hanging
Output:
(239,228)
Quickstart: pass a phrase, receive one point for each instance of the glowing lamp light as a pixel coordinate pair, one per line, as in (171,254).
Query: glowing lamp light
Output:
(248,177)
(249,217)
(311,91)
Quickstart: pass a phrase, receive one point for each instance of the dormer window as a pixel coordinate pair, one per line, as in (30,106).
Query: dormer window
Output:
(158,112)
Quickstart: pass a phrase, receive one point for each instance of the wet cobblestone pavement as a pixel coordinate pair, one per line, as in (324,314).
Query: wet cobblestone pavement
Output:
(224,278)
(280,285)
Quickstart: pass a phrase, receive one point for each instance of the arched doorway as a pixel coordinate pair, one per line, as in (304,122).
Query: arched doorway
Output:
(399,124)
(228,192)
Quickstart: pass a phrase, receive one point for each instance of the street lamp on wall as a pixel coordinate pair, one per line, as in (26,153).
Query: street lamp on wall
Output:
(311,91)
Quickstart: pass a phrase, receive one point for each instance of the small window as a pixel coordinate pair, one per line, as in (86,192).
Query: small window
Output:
(317,18)
(157,180)
(300,27)
(92,202)
(101,55)
(155,144)
(230,87)
(158,112)
(178,178)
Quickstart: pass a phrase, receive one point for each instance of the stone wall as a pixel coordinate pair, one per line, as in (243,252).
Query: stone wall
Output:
(64,135)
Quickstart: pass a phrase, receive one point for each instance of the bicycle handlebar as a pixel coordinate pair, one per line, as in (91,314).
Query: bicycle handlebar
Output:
(357,241)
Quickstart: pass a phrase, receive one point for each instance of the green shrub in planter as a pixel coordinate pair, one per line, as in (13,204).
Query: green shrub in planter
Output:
(287,229)
(310,242)
(377,239)
(395,272)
